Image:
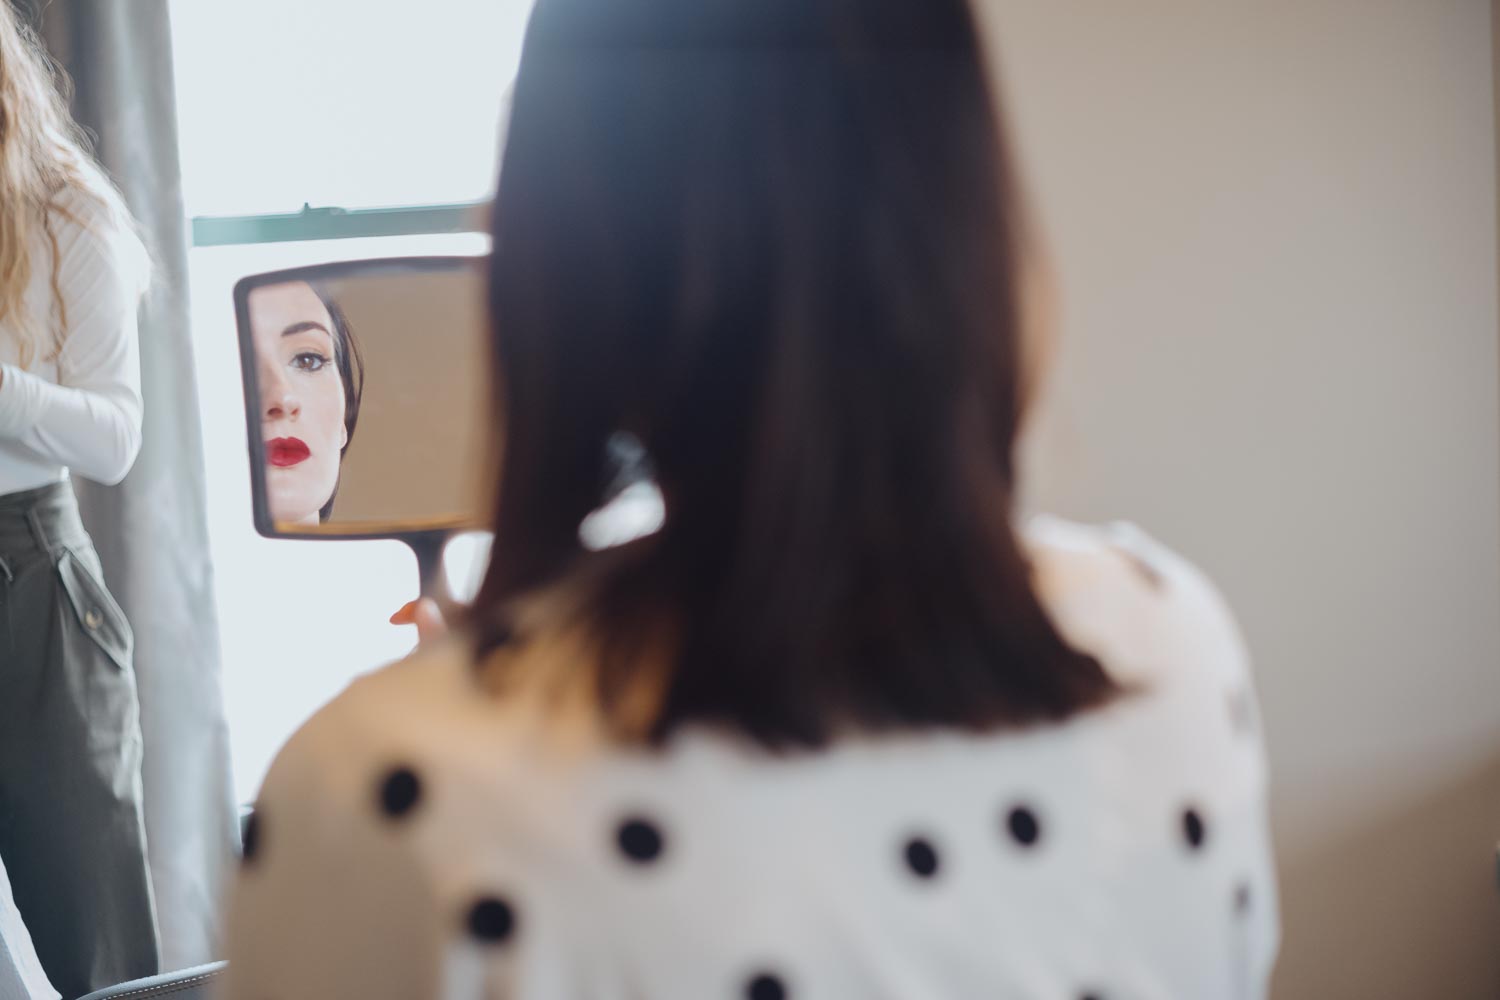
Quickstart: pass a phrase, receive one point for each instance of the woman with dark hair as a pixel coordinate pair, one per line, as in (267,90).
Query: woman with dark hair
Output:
(844,725)
(310,376)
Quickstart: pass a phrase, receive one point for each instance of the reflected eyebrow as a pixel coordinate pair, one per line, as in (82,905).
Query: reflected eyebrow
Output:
(303,327)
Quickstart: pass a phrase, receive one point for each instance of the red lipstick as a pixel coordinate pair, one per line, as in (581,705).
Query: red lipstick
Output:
(286,452)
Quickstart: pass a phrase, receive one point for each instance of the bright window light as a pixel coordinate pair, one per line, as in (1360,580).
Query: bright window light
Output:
(346,103)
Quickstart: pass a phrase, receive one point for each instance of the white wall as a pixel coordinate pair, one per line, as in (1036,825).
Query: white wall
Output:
(1275,225)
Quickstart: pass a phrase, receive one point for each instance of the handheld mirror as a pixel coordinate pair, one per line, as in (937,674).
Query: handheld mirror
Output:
(366,396)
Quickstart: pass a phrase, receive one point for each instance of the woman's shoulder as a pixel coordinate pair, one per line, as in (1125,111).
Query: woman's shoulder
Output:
(430,712)
(1145,610)
(382,747)
(1151,616)
(408,701)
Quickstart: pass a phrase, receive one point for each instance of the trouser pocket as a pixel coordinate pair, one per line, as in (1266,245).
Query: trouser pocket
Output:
(94,609)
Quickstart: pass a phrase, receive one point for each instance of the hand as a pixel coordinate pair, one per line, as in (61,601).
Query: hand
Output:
(424,614)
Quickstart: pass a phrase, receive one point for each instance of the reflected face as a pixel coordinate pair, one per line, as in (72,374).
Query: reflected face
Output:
(301,398)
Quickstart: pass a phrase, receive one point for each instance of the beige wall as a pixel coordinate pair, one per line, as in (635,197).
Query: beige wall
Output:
(417,449)
(1276,228)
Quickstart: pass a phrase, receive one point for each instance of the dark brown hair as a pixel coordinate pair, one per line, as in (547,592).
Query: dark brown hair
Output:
(778,241)
(351,367)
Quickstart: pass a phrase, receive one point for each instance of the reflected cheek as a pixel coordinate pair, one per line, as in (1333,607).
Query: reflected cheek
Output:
(325,471)
(323,466)
(326,419)
(299,491)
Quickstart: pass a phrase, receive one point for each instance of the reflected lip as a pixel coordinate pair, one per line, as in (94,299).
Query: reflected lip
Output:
(286,452)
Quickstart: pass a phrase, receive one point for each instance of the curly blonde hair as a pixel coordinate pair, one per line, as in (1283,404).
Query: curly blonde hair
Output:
(44,156)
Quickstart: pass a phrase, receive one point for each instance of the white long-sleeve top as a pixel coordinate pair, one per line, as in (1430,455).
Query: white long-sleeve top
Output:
(421,837)
(81,409)
(21,973)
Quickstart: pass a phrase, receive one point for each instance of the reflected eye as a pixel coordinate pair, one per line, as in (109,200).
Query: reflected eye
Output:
(310,361)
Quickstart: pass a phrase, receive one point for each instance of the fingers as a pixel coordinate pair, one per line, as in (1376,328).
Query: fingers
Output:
(429,621)
(424,614)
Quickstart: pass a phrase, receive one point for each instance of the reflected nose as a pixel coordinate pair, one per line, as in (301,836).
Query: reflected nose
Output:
(278,402)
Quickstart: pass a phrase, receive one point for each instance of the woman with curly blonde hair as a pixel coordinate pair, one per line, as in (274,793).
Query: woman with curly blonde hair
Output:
(72,272)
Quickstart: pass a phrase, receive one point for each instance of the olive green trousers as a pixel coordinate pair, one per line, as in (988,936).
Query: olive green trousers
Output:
(72,834)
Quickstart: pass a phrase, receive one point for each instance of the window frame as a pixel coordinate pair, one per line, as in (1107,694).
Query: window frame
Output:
(332,223)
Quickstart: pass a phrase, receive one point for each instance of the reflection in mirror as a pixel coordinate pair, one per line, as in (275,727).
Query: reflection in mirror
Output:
(311,378)
(365,389)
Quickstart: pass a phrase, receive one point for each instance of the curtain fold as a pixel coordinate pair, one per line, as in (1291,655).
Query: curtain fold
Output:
(151,530)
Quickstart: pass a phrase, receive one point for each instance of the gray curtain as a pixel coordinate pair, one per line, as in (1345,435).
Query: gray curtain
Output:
(151,530)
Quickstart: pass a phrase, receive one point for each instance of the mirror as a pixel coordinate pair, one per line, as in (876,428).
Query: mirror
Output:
(365,390)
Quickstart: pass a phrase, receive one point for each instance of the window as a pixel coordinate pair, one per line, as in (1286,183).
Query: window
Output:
(340,102)
(389,113)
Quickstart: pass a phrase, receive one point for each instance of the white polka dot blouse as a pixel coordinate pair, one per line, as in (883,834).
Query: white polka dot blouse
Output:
(420,839)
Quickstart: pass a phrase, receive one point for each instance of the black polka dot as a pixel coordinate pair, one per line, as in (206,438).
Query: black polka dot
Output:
(1024,826)
(765,987)
(491,920)
(250,838)
(1194,830)
(1242,898)
(921,857)
(640,840)
(400,792)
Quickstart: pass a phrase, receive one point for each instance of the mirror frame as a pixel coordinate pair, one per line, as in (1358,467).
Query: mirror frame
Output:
(417,534)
